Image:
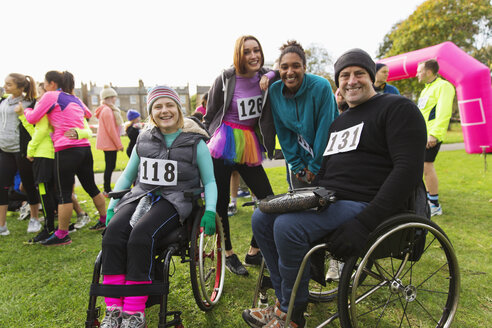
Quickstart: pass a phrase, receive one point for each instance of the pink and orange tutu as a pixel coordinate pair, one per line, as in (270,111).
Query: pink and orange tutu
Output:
(236,143)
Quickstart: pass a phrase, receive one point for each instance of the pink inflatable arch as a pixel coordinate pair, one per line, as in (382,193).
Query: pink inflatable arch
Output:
(473,87)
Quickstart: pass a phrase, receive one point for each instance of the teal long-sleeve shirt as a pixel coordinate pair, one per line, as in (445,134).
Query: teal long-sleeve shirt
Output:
(307,114)
(205,167)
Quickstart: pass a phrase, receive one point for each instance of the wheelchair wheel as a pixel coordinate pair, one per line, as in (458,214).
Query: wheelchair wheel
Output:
(413,281)
(292,201)
(207,265)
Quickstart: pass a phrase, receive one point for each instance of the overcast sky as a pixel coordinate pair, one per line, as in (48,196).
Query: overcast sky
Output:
(178,42)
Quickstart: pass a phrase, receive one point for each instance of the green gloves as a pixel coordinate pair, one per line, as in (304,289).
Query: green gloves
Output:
(109,215)
(208,223)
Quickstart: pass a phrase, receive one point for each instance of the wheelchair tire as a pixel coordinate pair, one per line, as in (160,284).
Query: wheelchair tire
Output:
(292,201)
(401,288)
(207,265)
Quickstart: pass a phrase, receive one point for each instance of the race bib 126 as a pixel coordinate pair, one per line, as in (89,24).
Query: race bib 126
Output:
(248,108)
(159,172)
(345,140)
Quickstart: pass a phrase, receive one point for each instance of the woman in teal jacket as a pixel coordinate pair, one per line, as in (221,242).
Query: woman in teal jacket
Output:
(303,109)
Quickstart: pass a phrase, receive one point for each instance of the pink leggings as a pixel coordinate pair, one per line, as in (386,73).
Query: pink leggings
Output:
(130,304)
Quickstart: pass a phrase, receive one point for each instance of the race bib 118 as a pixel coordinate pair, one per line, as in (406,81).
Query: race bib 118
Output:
(343,141)
(159,172)
(248,108)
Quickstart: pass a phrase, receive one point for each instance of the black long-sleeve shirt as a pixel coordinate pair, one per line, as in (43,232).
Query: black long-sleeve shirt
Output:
(387,164)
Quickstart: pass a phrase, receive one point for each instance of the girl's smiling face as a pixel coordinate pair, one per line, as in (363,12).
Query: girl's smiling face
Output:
(11,87)
(166,115)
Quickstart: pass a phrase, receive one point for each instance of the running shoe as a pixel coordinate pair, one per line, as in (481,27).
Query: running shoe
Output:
(71,228)
(259,317)
(136,320)
(243,193)
(41,236)
(435,210)
(55,241)
(232,209)
(4,231)
(24,212)
(82,220)
(34,225)
(253,260)
(235,266)
(98,226)
(113,318)
(333,271)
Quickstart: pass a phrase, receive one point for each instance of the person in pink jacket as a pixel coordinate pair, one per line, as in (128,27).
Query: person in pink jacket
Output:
(72,157)
(109,132)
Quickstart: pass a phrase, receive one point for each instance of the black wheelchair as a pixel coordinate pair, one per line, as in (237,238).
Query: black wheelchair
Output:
(408,275)
(203,253)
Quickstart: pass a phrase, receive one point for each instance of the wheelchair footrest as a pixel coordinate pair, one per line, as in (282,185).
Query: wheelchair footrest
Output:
(176,321)
(156,288)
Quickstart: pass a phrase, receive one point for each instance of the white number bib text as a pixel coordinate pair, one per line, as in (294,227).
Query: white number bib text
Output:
(159,172)
(343,141)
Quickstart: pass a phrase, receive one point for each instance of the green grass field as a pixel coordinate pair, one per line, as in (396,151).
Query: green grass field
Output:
(48,287)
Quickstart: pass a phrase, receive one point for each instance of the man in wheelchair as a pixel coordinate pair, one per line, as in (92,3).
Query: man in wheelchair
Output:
(373,162)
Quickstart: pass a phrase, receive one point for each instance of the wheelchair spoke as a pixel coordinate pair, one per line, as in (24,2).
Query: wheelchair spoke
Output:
(384,309)
(428,313)
(404,315)
(385,304)
(434,273)
(413,263)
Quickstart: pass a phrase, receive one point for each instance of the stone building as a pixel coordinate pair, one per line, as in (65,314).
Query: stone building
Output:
(128,97)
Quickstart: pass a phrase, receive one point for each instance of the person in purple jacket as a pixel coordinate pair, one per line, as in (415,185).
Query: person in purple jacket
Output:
(237,109)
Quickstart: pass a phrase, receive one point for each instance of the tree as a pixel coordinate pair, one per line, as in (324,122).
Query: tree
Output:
(467,23)
(317,61)
(193,103)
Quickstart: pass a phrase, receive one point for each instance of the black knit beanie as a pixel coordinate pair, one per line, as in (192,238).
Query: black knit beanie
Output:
(379,66)
(355,57)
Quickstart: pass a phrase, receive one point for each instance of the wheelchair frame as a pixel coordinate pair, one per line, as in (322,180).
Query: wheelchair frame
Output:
(188,243)
(397,240)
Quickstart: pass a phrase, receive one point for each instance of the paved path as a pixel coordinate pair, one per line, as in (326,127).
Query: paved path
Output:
(266,164)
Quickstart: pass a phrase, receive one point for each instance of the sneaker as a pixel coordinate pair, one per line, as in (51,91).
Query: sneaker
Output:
(55,241)
(41,236)
(235,266)
(4,231)
(333,271)
(232,210)
(243,193)
(435,210)
(105,194)
(136,320)
(113,318)
(71,228)
(253,260)
(98,226)
(24,212)
(258,317)
(34,225)
(278,321)
(82,220)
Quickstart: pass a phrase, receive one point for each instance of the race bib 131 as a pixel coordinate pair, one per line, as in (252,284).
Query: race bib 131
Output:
(345,140)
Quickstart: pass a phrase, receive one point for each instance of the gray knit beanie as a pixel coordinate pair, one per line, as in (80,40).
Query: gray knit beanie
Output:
(355,57)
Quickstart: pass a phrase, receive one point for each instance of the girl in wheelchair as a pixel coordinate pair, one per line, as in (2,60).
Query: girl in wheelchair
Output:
(169,157)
